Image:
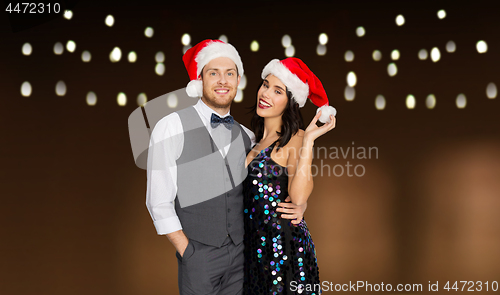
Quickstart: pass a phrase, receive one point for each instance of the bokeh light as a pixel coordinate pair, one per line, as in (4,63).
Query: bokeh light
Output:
(349,56)
(380,102)
(410,102)
(121,99)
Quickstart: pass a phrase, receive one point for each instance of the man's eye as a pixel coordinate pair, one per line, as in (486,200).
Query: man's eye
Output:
(230,74)
(212,74)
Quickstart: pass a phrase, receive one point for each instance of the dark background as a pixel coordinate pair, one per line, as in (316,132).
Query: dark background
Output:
(73,218)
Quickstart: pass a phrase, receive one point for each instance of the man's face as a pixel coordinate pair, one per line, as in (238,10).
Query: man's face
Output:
(220,82)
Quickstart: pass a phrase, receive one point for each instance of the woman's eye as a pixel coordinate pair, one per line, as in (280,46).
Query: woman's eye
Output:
(278,92)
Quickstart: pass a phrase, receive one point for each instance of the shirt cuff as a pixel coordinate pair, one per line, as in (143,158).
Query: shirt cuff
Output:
(167,225)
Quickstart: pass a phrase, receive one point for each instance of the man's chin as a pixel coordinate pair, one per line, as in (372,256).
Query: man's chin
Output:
(220,102)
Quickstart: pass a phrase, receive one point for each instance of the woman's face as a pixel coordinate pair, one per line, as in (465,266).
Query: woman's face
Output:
(271,98)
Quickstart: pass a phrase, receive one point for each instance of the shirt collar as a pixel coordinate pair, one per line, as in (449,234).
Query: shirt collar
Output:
(207,112)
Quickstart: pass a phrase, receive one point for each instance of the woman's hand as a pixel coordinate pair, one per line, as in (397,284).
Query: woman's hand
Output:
(313,131)
(292,211)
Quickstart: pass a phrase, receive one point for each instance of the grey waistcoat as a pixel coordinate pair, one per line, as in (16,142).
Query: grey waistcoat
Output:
(209,200)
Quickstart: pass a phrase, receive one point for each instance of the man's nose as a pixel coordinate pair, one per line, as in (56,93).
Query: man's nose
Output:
(222,79)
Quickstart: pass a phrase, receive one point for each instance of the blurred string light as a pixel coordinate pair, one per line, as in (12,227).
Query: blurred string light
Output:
(254,46)
(91,98)
(380,102)
(61,88)
(132,56)
(395,54)
(400,20)
(377,55)
(323,39)
(142,99)
(286,41)
(121,99)
(441,14)
(450,46)
(461,101)
(86,56)
(430,101)
(148,32)
(115,55)
(160,56)
(351,79)
(109,21)
(68,14)
(392,69)
(360,31)
(58,48)
(160,69)
(239,96)
(491,90)
(410,102)
(243,82)
(290,51)
(435,54)
(26,89)
(349,93)
(223,38)
(186,39)
(481,46)
(349,56)
(172,101)
(71,46)
(27,49)
(321,50)
(423,54)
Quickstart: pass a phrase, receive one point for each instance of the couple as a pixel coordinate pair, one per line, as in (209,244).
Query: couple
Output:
(233,212)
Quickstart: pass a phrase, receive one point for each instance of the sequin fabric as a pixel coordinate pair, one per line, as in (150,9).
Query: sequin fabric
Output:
(280,257)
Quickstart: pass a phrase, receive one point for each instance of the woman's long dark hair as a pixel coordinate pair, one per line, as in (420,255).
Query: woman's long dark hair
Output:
(291,118)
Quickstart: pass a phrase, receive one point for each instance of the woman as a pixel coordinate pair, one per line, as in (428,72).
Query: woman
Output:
(280,256)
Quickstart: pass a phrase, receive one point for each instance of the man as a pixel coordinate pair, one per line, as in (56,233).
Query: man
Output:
(196,165)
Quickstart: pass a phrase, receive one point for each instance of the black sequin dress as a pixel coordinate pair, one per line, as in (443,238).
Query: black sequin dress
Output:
(280,257)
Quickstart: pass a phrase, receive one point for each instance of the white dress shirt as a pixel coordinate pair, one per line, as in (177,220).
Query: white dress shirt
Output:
(162,169)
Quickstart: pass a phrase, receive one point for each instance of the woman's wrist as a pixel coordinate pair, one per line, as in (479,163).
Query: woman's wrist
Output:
(307,142)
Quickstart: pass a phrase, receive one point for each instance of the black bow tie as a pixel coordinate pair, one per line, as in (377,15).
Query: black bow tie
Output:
(227,121)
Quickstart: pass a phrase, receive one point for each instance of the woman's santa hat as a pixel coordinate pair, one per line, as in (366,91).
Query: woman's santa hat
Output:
(302,83)
(201,54)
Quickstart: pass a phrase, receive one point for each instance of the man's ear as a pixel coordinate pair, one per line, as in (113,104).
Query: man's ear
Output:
(239,78)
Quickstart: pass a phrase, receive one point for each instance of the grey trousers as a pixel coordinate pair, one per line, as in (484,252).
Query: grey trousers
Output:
(209,270)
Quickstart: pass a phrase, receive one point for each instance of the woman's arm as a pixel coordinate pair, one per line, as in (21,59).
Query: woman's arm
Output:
(300,182)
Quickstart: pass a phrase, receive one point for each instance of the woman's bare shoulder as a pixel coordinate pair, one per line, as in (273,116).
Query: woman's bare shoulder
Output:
(296,140)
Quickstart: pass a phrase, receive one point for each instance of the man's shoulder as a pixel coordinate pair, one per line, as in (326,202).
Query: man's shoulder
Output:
(172,118)
(249,132)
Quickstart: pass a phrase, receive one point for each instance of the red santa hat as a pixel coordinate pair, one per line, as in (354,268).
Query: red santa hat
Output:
(202,53)
(302,83)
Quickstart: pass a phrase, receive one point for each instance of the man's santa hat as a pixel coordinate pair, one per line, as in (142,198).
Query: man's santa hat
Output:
(302,83)
(201,54)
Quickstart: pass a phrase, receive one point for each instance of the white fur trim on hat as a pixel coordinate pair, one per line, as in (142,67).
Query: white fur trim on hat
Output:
(194,88)
(218,49)
(299,89)
(326,111)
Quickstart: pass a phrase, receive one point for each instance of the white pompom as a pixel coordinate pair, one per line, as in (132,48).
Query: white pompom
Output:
(194,88)
(326,111)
